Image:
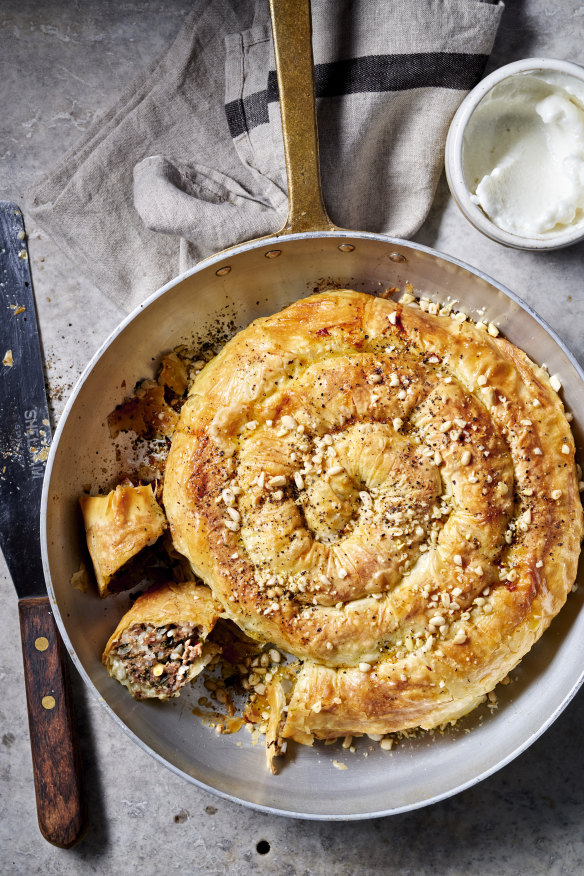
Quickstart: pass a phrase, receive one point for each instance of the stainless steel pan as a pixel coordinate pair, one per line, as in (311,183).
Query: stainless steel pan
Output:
(236,287)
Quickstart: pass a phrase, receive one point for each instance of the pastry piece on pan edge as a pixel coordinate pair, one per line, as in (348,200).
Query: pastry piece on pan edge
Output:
(160,643)
(118,527)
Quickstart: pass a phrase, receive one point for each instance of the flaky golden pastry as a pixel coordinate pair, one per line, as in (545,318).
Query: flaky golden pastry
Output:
(387,494)
(118,526)
(160,643)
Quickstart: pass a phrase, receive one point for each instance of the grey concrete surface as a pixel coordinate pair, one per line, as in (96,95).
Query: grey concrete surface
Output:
(60,64)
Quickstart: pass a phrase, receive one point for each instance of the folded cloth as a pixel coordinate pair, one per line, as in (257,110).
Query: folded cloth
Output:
(190,159)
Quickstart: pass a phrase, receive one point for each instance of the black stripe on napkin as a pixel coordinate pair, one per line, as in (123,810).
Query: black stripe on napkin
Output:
(374,73)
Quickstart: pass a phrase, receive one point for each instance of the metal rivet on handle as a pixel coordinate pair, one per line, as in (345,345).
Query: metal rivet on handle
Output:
(48,702)
(273,253)
(41,644)
(222,271)
(346,247)
(397,257)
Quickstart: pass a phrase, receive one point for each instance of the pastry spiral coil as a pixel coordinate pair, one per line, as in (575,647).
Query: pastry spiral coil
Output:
(388,494)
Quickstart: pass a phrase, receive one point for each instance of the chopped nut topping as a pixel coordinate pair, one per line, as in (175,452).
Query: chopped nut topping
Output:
(288,423)
(228,497)
(555,382)
(366,499)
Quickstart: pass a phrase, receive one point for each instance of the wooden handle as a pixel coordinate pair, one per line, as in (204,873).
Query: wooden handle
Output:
(292,31)
(55,751)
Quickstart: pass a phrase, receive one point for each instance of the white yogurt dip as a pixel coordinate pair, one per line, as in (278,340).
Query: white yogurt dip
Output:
(523,154)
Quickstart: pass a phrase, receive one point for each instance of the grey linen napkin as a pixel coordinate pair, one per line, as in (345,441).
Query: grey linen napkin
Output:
(190,159)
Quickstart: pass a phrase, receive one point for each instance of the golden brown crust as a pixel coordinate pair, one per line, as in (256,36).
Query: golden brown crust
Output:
(387,494)
(171,603)
(118,526)
(166,605)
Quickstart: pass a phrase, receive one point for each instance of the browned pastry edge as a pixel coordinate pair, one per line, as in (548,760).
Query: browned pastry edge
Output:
(173,605)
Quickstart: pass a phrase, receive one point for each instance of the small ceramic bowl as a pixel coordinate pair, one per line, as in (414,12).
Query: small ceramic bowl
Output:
(467,148)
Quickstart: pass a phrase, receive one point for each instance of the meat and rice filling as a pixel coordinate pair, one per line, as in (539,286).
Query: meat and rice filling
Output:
(157,661)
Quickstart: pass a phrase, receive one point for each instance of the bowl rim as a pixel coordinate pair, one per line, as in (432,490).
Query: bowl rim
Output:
(454,153)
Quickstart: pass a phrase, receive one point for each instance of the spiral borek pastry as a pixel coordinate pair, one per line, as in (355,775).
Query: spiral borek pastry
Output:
(388,494)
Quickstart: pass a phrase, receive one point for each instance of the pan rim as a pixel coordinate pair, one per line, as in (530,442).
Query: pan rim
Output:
(224,256)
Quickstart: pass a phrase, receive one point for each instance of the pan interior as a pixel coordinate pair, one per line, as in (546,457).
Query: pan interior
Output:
(210,302)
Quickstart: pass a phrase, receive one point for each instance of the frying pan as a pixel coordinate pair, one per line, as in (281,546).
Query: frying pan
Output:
(230,290)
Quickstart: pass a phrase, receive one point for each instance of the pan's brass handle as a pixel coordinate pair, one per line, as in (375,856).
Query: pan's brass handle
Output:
(292,30)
